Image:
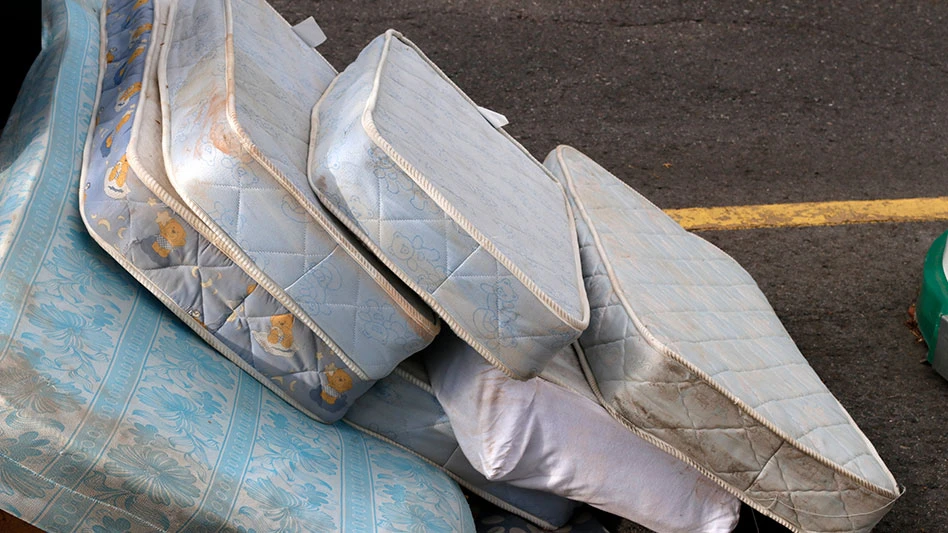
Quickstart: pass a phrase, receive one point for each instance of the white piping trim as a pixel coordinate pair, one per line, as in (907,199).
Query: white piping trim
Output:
(414,380)
(426,296)
(674,452)
(666,351)
(141,170)
(217,237)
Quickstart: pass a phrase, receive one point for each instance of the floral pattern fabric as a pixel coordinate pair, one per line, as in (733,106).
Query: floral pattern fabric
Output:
(114,416)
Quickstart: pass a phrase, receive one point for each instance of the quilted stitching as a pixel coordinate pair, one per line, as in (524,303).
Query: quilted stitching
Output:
(195,279)
(238,191)
(484,301)
(680,409)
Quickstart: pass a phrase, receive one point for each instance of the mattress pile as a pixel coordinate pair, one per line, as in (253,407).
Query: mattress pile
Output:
(316,228)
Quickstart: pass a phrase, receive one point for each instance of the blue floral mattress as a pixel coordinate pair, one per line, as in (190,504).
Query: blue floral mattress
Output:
(114,415)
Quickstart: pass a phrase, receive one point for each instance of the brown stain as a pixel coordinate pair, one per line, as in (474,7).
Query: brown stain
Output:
(208,108)
(418,323)
(222,136)
(493,395)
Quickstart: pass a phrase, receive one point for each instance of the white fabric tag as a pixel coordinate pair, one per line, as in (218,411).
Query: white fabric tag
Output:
(495,118)
(310,32)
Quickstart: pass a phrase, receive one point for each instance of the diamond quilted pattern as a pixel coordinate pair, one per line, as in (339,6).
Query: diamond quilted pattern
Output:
(236,176)
(515,319)
(685,349)
(186,271)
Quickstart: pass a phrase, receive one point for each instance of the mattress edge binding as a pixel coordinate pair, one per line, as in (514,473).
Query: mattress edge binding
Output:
(220,239)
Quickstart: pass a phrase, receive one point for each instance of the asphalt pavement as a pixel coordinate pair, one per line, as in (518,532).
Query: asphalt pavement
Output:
(700,103)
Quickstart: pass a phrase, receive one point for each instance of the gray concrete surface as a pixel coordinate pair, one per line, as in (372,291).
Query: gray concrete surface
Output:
(701,103)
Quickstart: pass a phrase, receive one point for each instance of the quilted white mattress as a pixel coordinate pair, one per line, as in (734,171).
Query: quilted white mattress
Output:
(685,349)
(453,205)
(237,88)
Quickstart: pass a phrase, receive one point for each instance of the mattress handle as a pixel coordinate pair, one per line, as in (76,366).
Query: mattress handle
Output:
(496,119)
(850,515)
(310,32)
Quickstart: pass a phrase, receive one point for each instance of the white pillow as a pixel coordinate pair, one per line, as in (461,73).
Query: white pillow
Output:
(548,434)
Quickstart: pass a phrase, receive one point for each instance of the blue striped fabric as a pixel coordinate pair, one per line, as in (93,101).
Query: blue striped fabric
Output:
(114,416)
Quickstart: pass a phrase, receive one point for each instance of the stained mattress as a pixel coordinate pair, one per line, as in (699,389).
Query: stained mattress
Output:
(684,348)
(311,304)
(452,204)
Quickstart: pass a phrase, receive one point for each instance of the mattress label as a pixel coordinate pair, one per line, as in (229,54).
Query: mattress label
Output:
(310,32)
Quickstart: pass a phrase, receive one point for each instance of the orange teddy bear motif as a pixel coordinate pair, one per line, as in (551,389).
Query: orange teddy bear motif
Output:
(170,235)
(115,186)
(281,330)
(335,381)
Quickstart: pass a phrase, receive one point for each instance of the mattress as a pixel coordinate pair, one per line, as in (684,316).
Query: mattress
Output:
(401,408)
(237,85)
(130,208)
(114,415)
(684,348)
(452,204)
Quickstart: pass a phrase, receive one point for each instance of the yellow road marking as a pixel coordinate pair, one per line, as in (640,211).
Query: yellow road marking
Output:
(811,214)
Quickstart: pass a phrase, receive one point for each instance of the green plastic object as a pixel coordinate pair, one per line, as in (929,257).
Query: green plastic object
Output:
(933,301)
